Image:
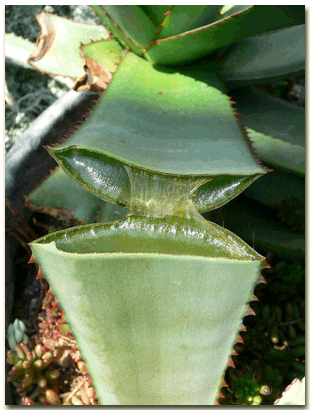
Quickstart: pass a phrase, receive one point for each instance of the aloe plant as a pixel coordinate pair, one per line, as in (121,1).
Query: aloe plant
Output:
(156,299)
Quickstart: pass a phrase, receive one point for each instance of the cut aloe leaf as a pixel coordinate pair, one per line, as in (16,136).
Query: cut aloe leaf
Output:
(18,49)
(266,58)
(112,181)
(244,23)
(168,126)
(137,316)
(59,193)
(220,190)
(161,128)
(58,45)
(275,127)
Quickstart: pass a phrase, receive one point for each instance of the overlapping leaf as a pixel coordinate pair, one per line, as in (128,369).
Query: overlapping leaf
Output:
(265,58)
(275,127)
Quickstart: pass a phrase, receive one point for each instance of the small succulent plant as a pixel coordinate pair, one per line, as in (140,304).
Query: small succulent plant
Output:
(38,373)
(16,333)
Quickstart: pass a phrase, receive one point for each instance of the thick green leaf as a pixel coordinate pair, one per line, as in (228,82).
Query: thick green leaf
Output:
(147,192)
(59,193)
(156,12)
(154,316)
(123,38)
(101,175)
(58,46)
(275,127)
(138,234)
(18,49)
(265,58)
(220,190)
(170,125)
(244,23)
(133,22)
(184,18)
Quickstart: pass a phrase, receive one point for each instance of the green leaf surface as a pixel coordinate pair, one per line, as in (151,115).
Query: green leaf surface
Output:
(58,46)
(220,190)
(123,38)
(275,127)
(59,191)
(172,235)
(133,22)
(170,125)
(156,13)
(186,18)
(18,49)
(265,58)
(244,23)
(145,191)
(155,317)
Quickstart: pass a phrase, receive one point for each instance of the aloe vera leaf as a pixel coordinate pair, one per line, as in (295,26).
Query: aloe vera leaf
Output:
(276,188)
(59,191)
(246,22)
(110,180)
(256,229)
(275,127)
(266,58)
(153,327)
(133,21)
(184,18)
(123,38)
(220,190)
(129,128)
(58,45)
(18,49)
(168,124)
(156,12)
